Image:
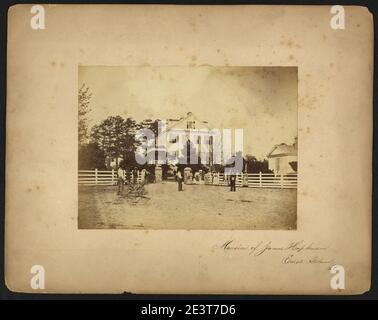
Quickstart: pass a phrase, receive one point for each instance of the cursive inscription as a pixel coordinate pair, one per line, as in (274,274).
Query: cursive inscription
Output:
(295,252)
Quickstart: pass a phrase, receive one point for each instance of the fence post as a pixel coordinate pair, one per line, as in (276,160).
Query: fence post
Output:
(281,180)
(112,176)
(260,179)
(96,176)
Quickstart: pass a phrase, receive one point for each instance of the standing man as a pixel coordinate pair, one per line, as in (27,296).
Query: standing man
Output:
(233,181)
(179,180)
(121,180)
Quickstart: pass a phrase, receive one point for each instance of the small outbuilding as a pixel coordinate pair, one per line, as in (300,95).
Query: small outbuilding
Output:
(283,159)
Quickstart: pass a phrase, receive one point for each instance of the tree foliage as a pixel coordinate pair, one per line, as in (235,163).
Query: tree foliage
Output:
(255,166)
(115,137)
(84,99)
(91,157)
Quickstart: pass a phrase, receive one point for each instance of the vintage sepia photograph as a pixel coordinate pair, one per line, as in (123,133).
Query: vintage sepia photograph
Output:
(197,147)
(196,150)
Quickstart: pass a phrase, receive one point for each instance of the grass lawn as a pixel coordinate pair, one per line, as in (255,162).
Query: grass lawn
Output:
(197,207)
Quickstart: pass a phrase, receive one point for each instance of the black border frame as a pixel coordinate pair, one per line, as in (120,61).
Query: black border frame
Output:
(142,299)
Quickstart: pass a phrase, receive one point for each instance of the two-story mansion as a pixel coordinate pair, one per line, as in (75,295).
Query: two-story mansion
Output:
(187,139)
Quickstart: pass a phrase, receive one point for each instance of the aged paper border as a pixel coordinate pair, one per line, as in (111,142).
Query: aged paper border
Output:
(334,120)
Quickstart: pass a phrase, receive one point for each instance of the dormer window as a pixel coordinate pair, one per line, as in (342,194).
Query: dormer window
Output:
(190,125)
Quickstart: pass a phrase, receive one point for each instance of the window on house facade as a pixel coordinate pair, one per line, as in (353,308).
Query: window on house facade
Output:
(190,125)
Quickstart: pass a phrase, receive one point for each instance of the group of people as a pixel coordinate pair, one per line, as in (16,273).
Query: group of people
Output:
(127,176)
(180,179)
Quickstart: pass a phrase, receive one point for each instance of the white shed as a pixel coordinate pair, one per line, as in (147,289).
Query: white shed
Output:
(283,159)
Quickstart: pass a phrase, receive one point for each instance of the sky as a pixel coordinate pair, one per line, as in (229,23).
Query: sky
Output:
(261,100)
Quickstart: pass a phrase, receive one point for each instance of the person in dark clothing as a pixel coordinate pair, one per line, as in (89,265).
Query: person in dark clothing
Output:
(233,181)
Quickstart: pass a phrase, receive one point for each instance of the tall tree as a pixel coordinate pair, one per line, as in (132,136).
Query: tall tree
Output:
(115,136)
(91,157)
(152,125)
(84,99)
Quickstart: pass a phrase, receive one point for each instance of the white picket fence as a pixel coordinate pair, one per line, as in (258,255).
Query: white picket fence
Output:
(254,180)
(258,180)
(99,177)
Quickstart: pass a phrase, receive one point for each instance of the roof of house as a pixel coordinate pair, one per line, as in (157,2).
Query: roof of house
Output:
(189,116)
(283,150)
